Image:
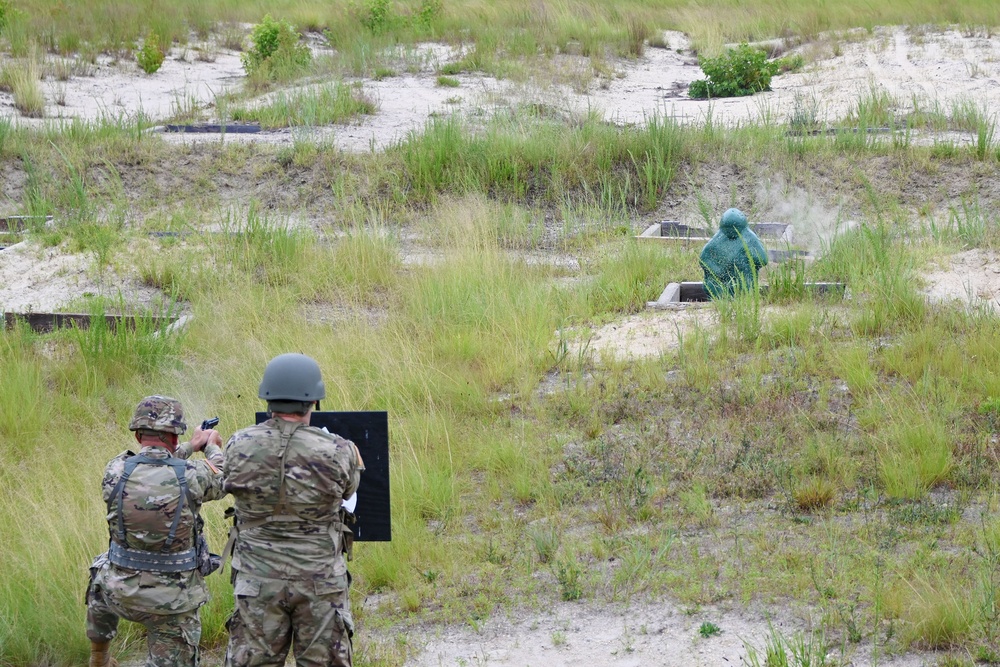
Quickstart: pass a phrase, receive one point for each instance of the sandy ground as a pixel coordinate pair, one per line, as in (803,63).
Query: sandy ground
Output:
(649,333)
(936,70)
(40,280)
(660,635)
(972,277)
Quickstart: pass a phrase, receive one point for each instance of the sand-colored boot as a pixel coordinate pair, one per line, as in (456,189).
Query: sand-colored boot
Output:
(100,655)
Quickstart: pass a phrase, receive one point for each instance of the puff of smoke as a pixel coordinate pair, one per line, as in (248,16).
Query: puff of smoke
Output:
(814,226)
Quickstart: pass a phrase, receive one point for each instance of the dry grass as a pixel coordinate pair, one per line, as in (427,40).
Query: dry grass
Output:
(22,79)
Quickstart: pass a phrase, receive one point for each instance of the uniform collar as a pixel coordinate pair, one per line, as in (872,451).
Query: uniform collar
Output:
(155,452)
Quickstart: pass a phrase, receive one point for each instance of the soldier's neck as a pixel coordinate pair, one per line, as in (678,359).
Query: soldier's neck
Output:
(150,441)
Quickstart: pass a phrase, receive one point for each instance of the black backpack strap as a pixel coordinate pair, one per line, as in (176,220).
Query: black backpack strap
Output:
(180,467)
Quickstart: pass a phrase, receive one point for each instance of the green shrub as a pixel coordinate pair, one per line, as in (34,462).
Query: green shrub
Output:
(744,70)
(568,572)
(6,11)
(150,56)
(428,13)
(378,18)
(275,51)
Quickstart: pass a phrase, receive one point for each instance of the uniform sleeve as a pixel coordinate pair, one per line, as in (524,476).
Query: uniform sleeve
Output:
(354,469)
(209,480)
(183,451)
(113,471)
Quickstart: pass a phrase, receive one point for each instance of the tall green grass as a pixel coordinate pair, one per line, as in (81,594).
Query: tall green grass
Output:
(519,160)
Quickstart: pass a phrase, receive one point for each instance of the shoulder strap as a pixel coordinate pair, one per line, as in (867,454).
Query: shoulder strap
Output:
(280,513)
(180,469)
(287,430)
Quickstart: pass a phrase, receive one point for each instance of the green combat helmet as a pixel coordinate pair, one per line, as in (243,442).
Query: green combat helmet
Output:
(291,383)
(159,413)
(732,257)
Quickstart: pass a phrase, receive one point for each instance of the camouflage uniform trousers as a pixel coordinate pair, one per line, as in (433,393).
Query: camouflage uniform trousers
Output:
(272,614)
(172,639)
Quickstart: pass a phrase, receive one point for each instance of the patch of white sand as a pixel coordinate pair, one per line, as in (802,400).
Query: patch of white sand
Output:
(649,333)
(972,277)
(661,635)
(35,279)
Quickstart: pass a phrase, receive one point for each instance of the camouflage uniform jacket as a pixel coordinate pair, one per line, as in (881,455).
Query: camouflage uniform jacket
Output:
(151,497)
(319,471)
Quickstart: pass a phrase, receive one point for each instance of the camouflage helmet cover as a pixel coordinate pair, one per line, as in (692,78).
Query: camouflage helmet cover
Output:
(159,413)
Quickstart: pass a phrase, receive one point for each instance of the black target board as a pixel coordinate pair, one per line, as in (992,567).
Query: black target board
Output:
(370,432)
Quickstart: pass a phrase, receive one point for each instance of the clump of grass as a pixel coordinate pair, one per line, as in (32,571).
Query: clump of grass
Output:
(448,82)
(322,105)
(814,493)
(696,503)
(914,452)
(629,278)
(800,650)
(546,538)
(937,616)
(22,80)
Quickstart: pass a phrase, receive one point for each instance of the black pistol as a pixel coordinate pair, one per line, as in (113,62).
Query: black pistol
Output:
(209,423)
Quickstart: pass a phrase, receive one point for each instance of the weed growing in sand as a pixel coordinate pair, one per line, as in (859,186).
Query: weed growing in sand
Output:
(969,225)
(709,629)
(150,56)
(568,572)
(800,650)
(937,615)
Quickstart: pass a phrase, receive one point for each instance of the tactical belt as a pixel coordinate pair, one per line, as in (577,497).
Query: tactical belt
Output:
(153,561)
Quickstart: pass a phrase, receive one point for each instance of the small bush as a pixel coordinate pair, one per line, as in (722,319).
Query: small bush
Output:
(150,56)
(448,82)
(568,573)
(744,70)
(378,17)
(709,629)
(6,11)
(275,52)
(429,12)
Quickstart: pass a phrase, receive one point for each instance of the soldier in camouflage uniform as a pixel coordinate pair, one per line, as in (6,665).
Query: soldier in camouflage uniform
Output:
(289,481)
(150,574)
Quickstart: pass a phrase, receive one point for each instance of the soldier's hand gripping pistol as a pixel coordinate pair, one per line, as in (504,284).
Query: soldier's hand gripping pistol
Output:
(207,425)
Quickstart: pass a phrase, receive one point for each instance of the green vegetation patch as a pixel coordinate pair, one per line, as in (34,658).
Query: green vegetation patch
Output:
(323,104)
(744,70)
